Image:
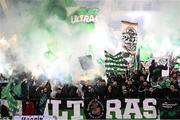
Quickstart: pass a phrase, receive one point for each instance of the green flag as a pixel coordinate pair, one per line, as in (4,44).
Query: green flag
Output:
(165,83)
(6,90)
(177,65)
(17,89)
(12,103)
(145,54)
(137,61)
(43,99)
(6,94)
(100,61)
(155,85)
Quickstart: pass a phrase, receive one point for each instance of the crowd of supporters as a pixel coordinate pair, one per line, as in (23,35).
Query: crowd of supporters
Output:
(132,84)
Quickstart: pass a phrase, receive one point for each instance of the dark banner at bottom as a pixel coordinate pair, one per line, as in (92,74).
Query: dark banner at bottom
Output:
(66,109)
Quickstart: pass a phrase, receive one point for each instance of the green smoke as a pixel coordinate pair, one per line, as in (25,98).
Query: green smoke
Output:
(50,26)
(145,54)
(47,18)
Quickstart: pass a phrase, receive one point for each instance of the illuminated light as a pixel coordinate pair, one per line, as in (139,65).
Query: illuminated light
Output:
(13,40)
(4,43)
(83,77)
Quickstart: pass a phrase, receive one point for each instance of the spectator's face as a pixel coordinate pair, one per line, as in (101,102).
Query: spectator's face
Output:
(109,88)
(87,83)
(174,75)
(45,89)
(123,76)
(178,77)
(89,87)
(172,87)
(129,82)
(135,72)
(114,83)
(102,83)
(112,79)
(33,78)
(151,90)
(174,81)
(141,78)
(97,82)
(123,87)
(59,91)
(178,80)
(145,83)
(41,91)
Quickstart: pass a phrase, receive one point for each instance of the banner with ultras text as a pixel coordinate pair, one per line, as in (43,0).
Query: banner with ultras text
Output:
(126,109)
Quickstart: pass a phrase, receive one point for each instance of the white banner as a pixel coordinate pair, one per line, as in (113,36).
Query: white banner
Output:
(129,35)
(162,61)
(34,118)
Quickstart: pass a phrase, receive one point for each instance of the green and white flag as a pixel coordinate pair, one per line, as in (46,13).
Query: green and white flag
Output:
(18,89)
(6,90)
(6,94)
(115,64)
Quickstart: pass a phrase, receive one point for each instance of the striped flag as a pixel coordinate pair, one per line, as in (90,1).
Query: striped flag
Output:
(115,63)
